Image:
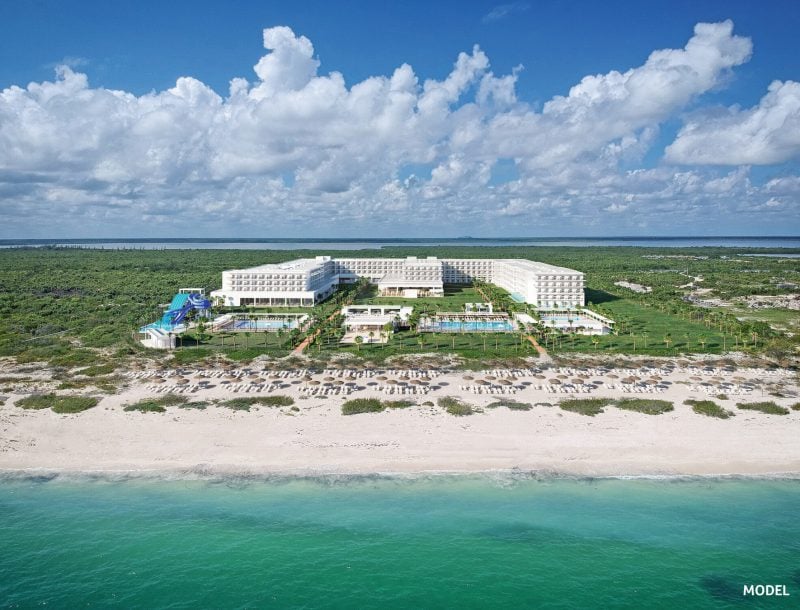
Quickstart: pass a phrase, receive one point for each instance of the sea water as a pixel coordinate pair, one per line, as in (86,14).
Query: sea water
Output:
(424,542)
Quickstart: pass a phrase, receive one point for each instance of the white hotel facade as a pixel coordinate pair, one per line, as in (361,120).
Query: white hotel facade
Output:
(306,281)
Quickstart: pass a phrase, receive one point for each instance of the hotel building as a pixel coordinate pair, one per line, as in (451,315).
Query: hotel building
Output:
(306,281)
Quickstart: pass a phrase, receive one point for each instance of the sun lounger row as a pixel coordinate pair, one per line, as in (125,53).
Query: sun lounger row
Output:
(489,389)
(403,390)
(325,391)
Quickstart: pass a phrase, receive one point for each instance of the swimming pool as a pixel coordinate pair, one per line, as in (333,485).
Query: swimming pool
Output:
(441,326)
(264,324)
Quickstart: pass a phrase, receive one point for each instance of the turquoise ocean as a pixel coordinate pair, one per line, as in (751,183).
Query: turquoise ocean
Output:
(374,542)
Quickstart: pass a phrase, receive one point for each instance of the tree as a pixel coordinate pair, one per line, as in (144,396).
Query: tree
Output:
(371,336)
(359,340)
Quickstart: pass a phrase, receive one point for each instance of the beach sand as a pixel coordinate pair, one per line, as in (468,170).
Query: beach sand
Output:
(319,439)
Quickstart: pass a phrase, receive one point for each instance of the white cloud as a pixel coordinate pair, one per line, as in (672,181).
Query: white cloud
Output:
(765,134)
(299,151)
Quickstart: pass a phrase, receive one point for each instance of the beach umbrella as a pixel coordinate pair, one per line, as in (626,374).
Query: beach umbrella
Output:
(577,380)
(468,378)
(506,382)
(491,377)
(612,376)
(329,378)
(555,382)
(392,381)
(158,380)
(381,378)
(313,382)
(182,380)
(561,376)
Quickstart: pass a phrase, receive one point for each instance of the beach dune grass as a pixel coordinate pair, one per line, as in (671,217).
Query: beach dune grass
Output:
(709,408)
(454,406)
(508,403)
(157,405)
(59,404)
(769,407)
(585,406)
(244,403)
(649,406)
(362,405)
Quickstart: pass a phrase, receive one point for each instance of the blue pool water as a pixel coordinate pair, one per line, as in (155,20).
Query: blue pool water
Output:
(372,542)
(264,324)
(471,327)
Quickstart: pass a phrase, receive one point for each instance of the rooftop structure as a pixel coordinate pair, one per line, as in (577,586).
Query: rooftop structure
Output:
(306,281)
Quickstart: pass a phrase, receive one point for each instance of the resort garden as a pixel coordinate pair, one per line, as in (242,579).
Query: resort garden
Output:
(65,305)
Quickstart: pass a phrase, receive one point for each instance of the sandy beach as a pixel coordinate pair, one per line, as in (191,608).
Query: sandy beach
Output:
(316,438)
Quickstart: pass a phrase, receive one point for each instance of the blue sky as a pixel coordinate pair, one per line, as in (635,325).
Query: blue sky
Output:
(386,119)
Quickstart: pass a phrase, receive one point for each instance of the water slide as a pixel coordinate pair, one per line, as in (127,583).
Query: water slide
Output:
(182,303)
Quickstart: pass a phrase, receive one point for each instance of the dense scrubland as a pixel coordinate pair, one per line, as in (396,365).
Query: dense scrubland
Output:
(64,306)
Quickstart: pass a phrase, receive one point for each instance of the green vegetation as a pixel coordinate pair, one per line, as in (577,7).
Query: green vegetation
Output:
(398,404)
(723,397)
(362,405)
(199,405)
(59,404)
(454,406)
(157,405)
(508,403)
(585,406)
(100,369)
(62,305)
(769,407)
(796,406)
(244,403)
(709,408)
(648,406)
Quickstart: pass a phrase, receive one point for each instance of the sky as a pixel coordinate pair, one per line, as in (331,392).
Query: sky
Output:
(406,119)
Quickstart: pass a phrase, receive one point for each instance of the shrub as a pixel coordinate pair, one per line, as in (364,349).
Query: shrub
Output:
(59,404)
(244,403)
(276,401)
(455,407)
(585,406)
(514,405)
(768,407)
(709,408)
(648,406)
(157,405)
(100,369)
(199,405)
(398,404)
(796,406)
(362,405)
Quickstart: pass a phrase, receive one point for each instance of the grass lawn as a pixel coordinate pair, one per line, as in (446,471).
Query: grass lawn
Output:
(649,327)
(453,300)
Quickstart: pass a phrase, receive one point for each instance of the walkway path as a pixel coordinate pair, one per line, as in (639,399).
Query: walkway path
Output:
(543,355)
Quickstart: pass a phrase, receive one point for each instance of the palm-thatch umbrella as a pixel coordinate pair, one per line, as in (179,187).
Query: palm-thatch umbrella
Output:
(612,376)
(468,378)
(182,380)
(158,380)
(696,378)
(392,381)
(329,378)
(555,381)
(562,376)
(313,382)
(506,382)
(491,377)
(381,377)
(231,378)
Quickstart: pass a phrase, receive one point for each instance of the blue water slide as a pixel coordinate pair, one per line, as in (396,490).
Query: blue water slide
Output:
(181,305)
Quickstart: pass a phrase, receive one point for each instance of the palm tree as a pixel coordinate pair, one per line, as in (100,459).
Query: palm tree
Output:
(247,340)
(371,336)
(595,341)
(703,342)
(644,336)
(359,340)
(667,340)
